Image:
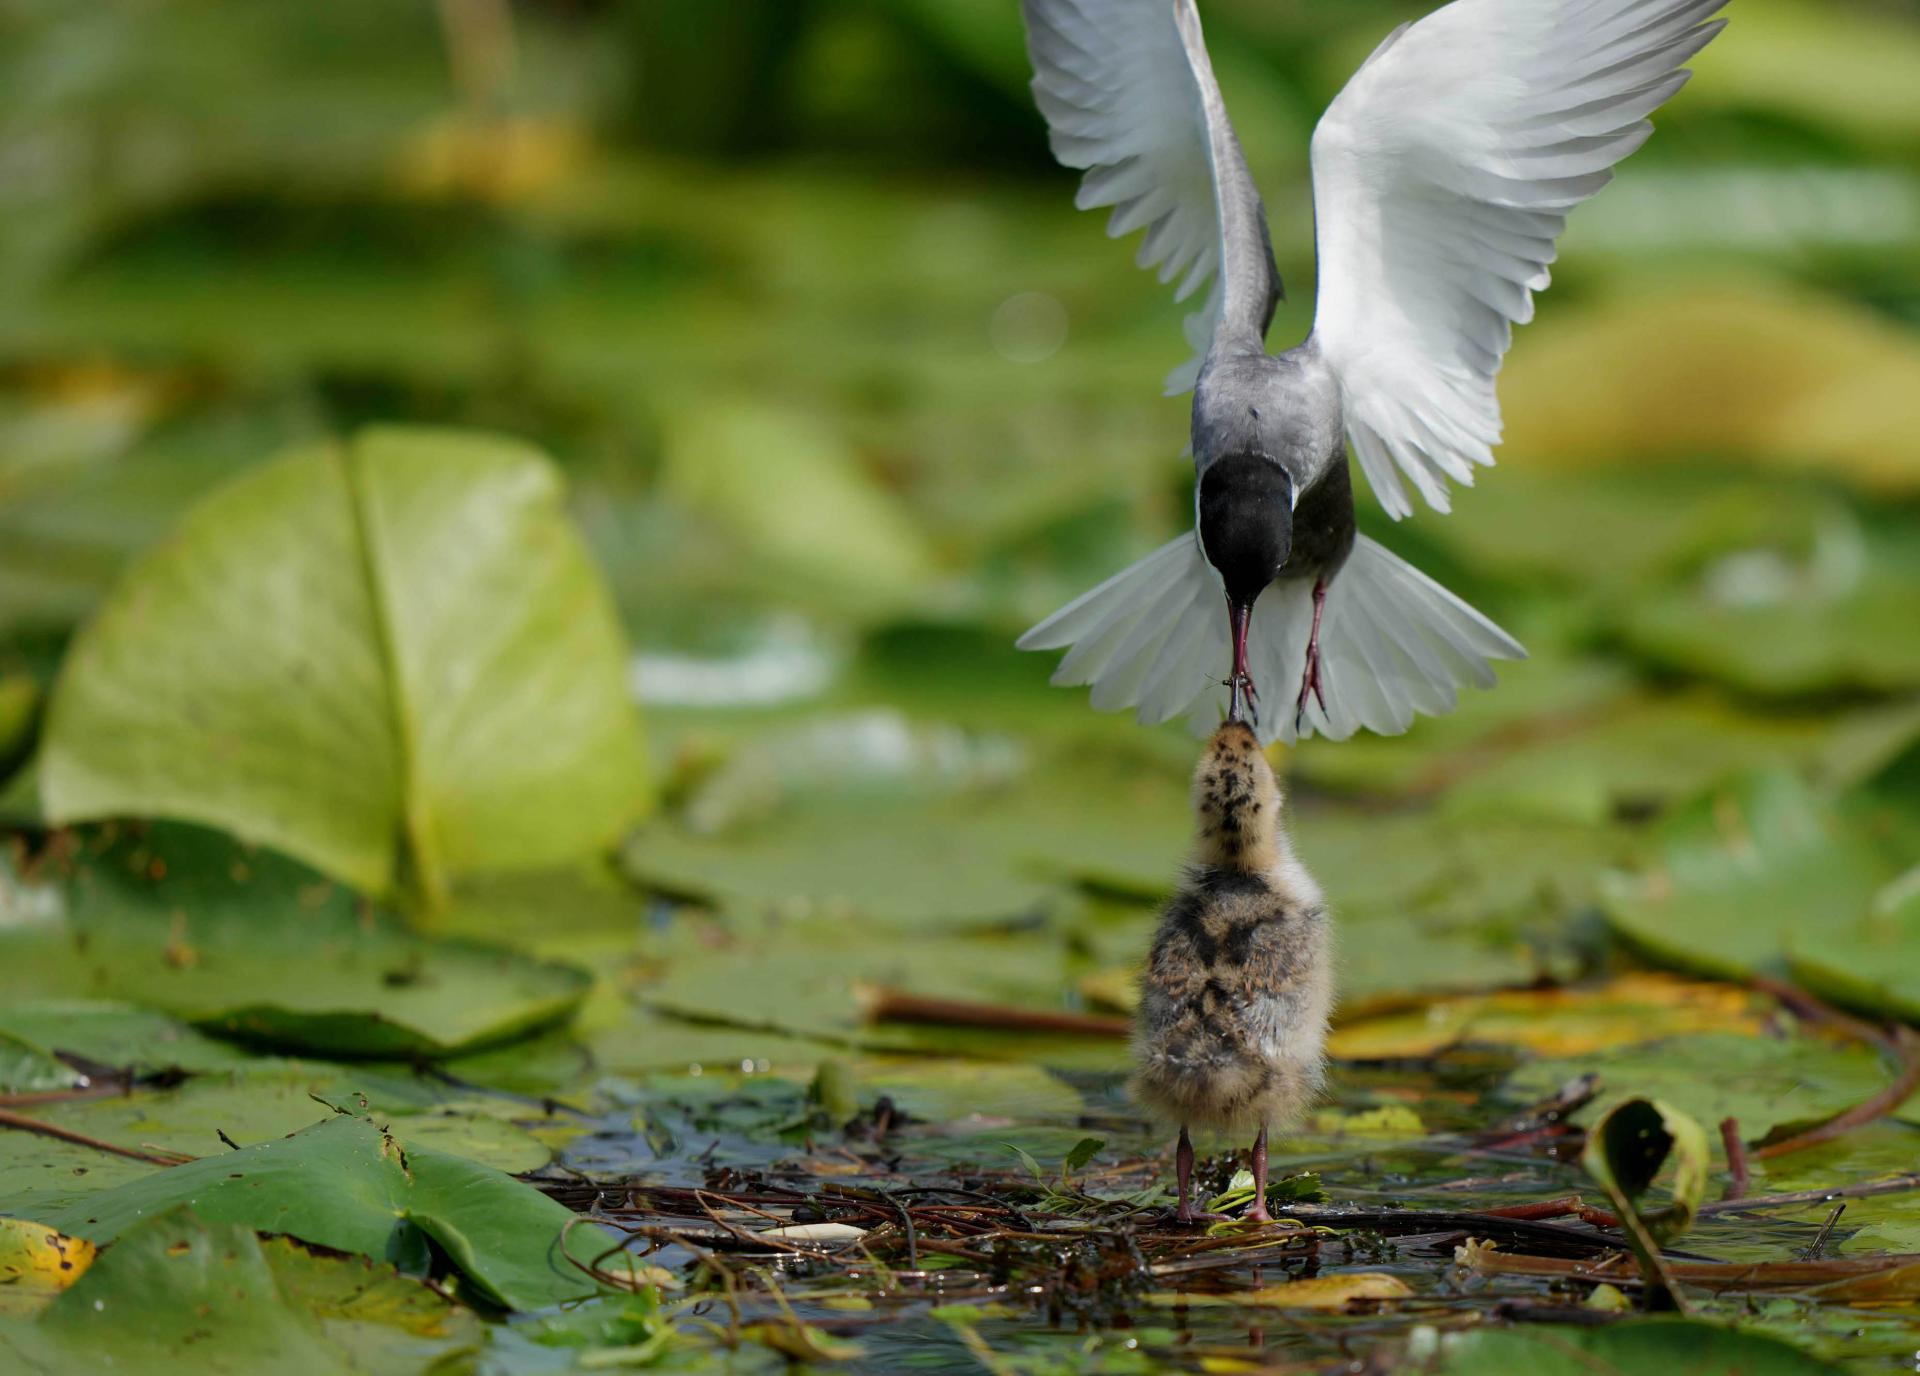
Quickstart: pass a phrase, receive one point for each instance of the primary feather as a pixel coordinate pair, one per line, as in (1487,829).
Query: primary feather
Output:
(1125,101)
(1442,177)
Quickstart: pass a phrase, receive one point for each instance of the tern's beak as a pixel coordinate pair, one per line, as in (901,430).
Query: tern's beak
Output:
(1238,614)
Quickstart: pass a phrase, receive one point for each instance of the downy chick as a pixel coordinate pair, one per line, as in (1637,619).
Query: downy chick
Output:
(1232,1027)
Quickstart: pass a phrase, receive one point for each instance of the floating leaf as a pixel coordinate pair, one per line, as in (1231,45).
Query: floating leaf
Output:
(346,1184)
(938,828)
(1629,1009)
(26,1068)
(1743,872)
(1762,1082)
(393,654)
(175,1297)
(1786,621)
(1874,964)
(36,1264)
(385,1321)
(1672,1347)
(798,499)
(136,1041)
(1317,1292)
(269,1099)
(257,948)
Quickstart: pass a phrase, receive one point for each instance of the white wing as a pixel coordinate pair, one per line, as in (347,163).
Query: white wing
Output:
(1442,175)
(1129,96)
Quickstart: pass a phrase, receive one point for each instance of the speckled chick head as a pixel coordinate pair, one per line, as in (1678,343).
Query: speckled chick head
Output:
(1236,803)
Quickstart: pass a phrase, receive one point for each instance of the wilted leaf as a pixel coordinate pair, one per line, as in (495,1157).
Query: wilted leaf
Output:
(1629,1009)
(36,1264)
(1334,1292)
(1629,1147)
(390,654)
(1721,369)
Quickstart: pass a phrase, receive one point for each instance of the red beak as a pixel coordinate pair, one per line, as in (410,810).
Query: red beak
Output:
(1237,615)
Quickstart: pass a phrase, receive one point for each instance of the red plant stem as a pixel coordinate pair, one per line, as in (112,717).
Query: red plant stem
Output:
(1736,1158)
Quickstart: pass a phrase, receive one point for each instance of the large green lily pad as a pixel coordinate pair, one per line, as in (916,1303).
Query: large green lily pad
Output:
(1762,1082)
(1749,867)
(251,946)
(138,1041)
(1673,1347)
(897,843)
(1835,614)
(347,1184)
(1873,964)
(391,659)
(175,1297)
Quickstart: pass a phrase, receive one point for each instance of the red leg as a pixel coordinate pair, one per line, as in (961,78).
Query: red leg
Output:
(1183,1171)
(1257,1211)
(1310,679)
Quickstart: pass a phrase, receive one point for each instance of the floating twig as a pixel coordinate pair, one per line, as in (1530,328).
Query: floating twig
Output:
(152,1155)
(1903,1043)
(881,1004)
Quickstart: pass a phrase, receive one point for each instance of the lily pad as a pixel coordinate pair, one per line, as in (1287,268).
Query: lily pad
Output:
(1833,615)
(273,1098)
(1762,1082)
(910,841)
(26,1068)
(384,658)
(176,1296)
(345,1183)
(1874,964)
(1673,1347)
(37,1263)
(1744,871)
(386,1322)
(137,1041)
(254,947)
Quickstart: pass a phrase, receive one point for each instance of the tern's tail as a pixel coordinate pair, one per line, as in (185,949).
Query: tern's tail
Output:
(1392,643)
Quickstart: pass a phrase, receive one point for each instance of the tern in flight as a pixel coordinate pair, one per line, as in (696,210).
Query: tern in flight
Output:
(1443,174)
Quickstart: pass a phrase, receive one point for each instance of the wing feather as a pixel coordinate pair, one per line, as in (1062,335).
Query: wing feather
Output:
(1131,100)
(1442,176)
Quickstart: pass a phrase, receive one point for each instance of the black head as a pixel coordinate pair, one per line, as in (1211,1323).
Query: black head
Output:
(1246,522)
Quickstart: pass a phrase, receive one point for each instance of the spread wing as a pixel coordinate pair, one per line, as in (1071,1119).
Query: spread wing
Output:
(1442,176)
(1129,95)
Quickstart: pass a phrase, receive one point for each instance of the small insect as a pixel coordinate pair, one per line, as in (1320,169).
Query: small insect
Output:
(1232,1028)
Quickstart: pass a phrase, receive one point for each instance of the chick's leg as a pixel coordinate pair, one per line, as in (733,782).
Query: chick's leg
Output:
(1183,1171)
(1257,1211)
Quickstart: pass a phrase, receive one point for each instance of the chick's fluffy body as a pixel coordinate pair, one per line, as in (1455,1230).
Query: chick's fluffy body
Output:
(1232,1026)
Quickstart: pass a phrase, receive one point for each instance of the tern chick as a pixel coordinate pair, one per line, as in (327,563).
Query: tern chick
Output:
(1232,1027)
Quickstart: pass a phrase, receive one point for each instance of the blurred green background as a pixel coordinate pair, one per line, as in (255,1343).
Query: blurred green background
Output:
(848,393)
